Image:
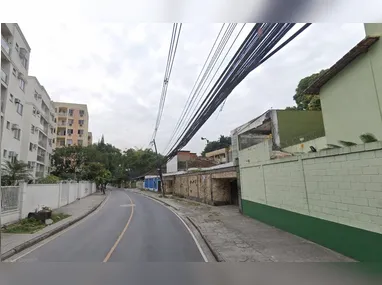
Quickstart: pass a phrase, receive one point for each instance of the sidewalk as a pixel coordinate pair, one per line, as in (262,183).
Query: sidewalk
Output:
(13,243)
(236,238)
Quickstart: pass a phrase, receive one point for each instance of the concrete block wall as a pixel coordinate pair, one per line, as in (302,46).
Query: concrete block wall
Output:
(341,185)
(54,196)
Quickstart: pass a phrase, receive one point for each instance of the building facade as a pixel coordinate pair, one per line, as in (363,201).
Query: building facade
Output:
(355,83)
(38,128)
(72,124)
(222,155)
(15,53)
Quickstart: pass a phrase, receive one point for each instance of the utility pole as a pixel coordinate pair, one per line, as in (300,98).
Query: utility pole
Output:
(159,165)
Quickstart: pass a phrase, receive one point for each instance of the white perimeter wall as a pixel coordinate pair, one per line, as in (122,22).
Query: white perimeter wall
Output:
(342,185)
(32,196)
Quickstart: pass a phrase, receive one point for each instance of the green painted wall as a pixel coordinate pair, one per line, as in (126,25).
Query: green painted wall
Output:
(353,242)
(351,101)
(295,124)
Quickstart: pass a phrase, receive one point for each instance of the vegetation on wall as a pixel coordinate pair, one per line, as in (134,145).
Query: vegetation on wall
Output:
(222,142)
(365,138)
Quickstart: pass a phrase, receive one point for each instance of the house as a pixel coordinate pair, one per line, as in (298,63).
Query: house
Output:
(351,91)
(222,155)
(290,131)
(184,160)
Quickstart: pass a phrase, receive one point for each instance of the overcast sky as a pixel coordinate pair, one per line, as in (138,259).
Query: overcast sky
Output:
(117,70)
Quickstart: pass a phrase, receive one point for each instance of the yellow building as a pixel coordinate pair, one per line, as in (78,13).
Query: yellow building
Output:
(72,124)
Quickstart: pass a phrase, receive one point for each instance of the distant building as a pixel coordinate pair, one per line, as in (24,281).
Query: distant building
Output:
(290,131)
(15,53)
(72,124)
(152,183)
(39,128)
(180,160)
(222,155)
(351,91)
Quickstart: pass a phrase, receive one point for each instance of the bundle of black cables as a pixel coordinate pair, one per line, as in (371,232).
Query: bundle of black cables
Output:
(254,51)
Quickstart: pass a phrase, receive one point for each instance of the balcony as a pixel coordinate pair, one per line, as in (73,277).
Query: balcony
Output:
(42,143)
(62,134)
(39,174)
(4,45)
(4,77)
(41,158)
(62,124)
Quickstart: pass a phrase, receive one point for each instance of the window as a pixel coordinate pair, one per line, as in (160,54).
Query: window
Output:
(80,132)
(30,146)
(81,122)
(8,125)
(70,122)
(32,129)
(11,97)
(54,140)
(4,153)
(82,112)
(14,157)
(69,142)
(24,62)
(50,142)
(34,111)
(17,134)
(19,108)
(14,71)
(21,84)
(17,47)
(70,112)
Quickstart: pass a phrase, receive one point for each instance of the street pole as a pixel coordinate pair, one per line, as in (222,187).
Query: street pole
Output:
(159,169)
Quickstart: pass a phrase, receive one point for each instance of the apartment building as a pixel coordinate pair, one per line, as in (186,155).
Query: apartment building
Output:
(39,129)
(72,124)
(15,53)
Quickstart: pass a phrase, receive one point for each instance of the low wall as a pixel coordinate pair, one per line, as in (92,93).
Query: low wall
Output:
(333,197)
(27,197)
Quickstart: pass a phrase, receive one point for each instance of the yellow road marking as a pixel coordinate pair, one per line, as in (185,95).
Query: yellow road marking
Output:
(122,233)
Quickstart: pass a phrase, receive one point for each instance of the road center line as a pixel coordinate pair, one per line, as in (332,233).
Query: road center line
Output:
(122,233)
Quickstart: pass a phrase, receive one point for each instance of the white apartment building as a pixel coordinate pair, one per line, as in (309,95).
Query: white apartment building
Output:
(15,53)
(38,129)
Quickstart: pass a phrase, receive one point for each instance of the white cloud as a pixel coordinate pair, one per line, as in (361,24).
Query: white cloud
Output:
(117,69)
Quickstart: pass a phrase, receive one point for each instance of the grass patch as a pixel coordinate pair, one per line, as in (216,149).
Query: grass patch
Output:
(30,226)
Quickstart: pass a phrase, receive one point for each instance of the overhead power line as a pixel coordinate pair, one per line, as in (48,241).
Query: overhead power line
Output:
(176,29)
(255,50)
(193,97)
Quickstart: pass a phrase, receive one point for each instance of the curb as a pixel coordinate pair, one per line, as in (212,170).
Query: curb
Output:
(214,252)
(39,238)
(158,199)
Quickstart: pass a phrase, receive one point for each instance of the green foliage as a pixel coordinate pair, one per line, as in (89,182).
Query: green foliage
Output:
(14,171)
(222,142)
(102,163)
(304,101)
(30,226)
(368,138)
(346,143)
(50,179)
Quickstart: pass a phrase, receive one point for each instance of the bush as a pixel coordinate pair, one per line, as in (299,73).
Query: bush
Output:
(50,179)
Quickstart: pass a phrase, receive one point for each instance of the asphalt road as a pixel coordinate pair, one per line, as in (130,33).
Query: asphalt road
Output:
(128,227)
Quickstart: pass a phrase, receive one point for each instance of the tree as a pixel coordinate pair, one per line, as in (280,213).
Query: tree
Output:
(222,142)
(14,171)
(304,101)
(50,179)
